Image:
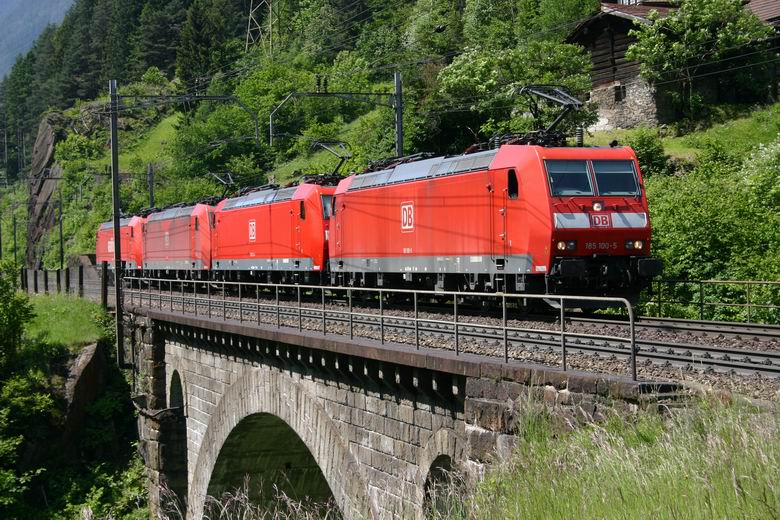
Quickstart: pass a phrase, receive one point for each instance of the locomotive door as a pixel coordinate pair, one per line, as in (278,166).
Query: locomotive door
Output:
(498,220)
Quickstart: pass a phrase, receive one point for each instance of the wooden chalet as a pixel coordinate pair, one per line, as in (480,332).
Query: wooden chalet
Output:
(625,99)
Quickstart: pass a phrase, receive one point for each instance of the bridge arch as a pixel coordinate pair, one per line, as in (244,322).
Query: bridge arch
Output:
(262,399)
(435,465)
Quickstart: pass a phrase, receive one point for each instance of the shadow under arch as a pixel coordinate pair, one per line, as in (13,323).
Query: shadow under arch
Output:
(272,397)
(264,453)
(173,435)
(176,392)
(438,486)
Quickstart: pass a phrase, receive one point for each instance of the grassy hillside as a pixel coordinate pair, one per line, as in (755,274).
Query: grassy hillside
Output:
(707,461)
(737,130)
(65,320)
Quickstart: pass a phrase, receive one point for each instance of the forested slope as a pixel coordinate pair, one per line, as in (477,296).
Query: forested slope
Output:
(22,25)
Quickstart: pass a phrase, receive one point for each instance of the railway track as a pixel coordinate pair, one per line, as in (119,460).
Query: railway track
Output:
(489,337)
(692,327)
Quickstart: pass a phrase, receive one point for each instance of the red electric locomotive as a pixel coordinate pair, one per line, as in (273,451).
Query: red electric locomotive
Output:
(517,218)
(177,241)
(277,235)
(130,242)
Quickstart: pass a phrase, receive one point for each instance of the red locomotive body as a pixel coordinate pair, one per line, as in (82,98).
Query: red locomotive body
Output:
(178,240)
(519,218)
(130,241)
(279,232)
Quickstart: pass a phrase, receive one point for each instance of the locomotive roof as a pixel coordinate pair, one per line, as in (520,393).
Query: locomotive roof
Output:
(110,224)
(261,197)
(427,168)
(170,213)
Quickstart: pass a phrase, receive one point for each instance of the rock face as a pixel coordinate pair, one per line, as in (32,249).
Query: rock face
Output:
(43,183)
(86,382)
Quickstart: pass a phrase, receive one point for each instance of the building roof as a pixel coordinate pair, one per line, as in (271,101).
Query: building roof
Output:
(639,13)
(767,10)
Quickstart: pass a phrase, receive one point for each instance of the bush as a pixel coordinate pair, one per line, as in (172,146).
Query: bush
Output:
(650,151)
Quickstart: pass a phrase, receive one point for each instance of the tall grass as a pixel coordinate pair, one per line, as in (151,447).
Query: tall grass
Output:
(708,461)
(64,320)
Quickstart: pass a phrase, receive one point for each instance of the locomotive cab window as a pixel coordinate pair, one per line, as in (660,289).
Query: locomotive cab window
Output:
(512,186)
(568,178)
(327,206)
(616,177)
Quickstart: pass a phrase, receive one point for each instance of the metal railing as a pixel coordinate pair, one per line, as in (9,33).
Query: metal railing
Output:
(704,298)
(162,294)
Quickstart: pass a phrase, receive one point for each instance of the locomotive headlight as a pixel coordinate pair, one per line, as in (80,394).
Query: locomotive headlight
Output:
(629,244)
(638,244)
(598,206)
(561,245)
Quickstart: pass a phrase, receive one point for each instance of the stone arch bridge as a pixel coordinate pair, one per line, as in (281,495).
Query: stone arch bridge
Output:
(368,426)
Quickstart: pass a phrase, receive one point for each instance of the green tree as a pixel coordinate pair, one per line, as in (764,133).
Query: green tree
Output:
(15,312)
(157,36)
(485,83)
(208,38)
(684,43)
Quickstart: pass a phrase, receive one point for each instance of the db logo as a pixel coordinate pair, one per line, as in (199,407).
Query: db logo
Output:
(600,220)
(407,216)
(252,230)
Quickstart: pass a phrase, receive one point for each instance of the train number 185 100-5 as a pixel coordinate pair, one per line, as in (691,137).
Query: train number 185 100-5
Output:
(601,246)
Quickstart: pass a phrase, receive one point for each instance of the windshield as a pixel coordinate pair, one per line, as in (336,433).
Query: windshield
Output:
(569,178)
(616,177)
(327,201)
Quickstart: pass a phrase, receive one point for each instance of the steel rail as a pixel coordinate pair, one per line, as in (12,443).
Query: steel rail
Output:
(708,328)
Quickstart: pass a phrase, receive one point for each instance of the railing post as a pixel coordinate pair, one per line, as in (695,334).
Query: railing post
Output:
(208,297)
(349,297)
(22,278)
(170,294)
(224,301)
(257,295)
(563,333)
(701,300)
(45,281)
(240,307)
(300,319)
(81,281)
(749,305)
(506,343)
(59,281)
(381,317)
(324,323)
(632,333)
(35,281)
(104,285)
(416,324)
(455,312)
(660,300)
(278,310)
(182,296)
(67,280)
(195,296)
